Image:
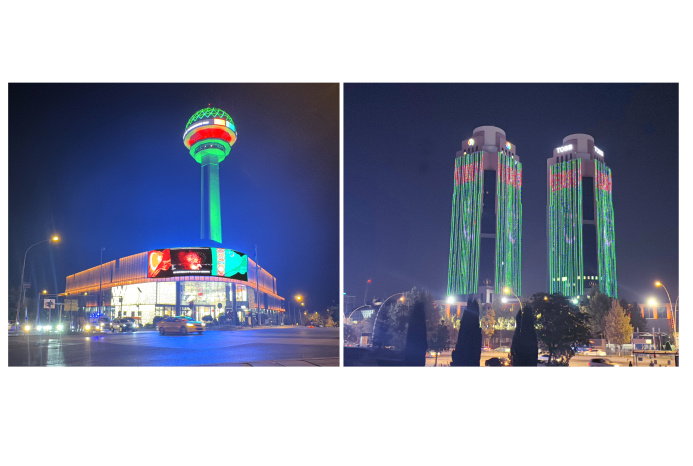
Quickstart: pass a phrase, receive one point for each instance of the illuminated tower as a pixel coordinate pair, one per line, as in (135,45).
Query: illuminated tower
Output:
(580,219)
(209,135)
(486,232)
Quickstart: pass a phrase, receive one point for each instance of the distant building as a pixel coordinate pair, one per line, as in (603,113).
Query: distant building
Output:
(660,318)
(348,304)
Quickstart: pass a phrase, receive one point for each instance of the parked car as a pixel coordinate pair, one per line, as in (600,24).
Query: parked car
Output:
(601,362)
(180,325)
(497,362)
(486,348)
(124,324)
(502,349)
(595,352)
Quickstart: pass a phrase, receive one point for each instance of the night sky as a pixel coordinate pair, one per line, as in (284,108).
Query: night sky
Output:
(105,165)
(400,143)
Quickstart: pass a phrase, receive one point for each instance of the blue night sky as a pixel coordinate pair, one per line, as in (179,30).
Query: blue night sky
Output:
(105,165)
(400,143)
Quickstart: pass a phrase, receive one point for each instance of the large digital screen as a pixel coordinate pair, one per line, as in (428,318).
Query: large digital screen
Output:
(176,262)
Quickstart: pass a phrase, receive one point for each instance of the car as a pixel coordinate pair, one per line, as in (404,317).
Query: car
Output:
(181,325)
(594,352)
(311,326)
(124,324)
(502,349)
(601,362)
(486,348)
(497,362)
(92,328)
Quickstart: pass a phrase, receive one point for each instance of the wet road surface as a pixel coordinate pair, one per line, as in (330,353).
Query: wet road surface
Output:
(278,346)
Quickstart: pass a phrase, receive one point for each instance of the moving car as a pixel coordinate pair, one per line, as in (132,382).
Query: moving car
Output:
(502,349)
(181,325)
(601,362)
(594,352)
(124,324)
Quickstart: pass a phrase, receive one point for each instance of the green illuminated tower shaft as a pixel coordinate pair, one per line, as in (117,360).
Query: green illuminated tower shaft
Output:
(210,211)
(486,224)
(580,220)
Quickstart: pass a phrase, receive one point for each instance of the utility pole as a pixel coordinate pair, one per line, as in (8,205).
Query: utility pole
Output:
(257,287)
(100,274)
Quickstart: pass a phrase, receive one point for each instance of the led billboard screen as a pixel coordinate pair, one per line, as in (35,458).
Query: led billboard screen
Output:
(176,262)
(229,263)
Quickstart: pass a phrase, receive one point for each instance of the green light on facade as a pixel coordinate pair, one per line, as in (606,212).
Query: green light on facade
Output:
(606,240)
(508,225)
(565,228)
(465,235)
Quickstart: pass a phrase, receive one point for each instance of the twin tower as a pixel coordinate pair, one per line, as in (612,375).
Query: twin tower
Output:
(486,232)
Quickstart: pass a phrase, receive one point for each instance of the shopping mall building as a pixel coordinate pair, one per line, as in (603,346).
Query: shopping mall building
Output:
(193,281)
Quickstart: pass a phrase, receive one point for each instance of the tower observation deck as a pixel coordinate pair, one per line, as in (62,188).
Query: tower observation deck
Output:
(209,135)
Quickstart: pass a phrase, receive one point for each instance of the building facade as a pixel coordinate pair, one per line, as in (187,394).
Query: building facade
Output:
(148,284)
(580,219)
(486,225)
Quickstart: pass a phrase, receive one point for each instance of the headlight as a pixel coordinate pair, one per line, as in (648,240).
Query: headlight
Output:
(27,328)
(38,327)
(59,327)
(87,327)
(190,325)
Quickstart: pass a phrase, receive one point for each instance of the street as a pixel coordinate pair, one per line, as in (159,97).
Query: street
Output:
(267,346)
(444,359)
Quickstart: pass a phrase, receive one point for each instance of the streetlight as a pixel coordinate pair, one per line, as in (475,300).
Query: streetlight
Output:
(298,298)
(54,239)
(676,334)
(508,290)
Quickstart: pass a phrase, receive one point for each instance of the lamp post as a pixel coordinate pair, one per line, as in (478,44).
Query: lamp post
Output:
(19,301)
(375,321)
(38,307)
(298,298)
(100,311)
(676,334)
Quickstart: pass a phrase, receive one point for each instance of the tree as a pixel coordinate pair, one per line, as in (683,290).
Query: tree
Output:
(352,332)
(561,325)
(488,324)
(467,351)
(440,340)
(598,308)
(392,322)
(523,349)
(635,314)
(416,342)
(618,328)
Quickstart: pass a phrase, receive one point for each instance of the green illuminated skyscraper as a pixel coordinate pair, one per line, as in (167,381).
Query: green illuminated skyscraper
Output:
(209,135)
(486,226)
(580,219)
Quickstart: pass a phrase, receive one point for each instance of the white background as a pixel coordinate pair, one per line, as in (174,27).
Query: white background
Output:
(349,415)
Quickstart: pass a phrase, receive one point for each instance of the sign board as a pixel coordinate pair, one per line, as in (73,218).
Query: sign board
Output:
(49,303)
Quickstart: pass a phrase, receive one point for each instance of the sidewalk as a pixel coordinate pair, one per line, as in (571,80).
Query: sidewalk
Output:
(314,362)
